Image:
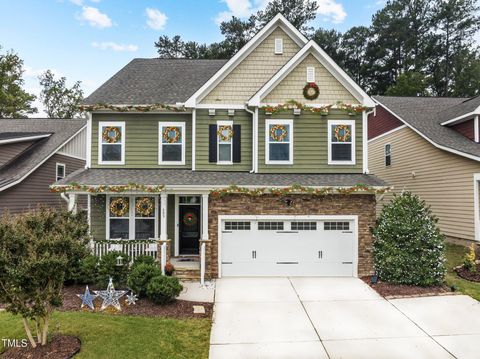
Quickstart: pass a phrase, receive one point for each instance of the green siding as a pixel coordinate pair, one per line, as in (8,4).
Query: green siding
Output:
(141,149)
(242,118)
(310,144)
(98,216)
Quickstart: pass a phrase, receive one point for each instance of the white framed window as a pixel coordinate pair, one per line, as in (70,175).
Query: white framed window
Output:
(131,217)
(111,143)
(279,142)
(341,142)
(310,74)
(278,46)
(171,143)
(224,142)
(60,171)
(388,154)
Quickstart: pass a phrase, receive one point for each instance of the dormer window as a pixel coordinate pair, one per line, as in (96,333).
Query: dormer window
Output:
(278,46)
(310,74)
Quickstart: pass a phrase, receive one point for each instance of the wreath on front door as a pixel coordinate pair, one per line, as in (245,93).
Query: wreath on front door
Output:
(190,219)
(171,134)
(342,133)
(311,91)
(111,134)
(144,206)
(278,133)
(119,207)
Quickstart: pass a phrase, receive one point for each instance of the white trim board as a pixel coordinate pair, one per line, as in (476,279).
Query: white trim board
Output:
(448,149)
(476,209)
(353,218)
(23,139)
(312,48)
(462,117)
(278,20)
(387,133)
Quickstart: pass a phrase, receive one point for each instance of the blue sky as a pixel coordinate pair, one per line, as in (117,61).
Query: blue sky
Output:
(90,40)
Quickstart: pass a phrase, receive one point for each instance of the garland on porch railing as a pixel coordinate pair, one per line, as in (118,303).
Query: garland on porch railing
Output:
(322,110)
(128,108)
(297,189)
(75,187)
(124,241)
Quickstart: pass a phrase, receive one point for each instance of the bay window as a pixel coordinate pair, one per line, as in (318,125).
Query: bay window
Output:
(279,142)
(171,148)
(111,142)
(341,142)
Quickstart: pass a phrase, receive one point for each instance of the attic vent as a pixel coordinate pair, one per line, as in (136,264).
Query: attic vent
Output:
(310,74)
(278,45)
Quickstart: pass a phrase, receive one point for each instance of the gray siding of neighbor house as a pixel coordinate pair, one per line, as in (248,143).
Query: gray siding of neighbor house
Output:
(11,150)
(34,190)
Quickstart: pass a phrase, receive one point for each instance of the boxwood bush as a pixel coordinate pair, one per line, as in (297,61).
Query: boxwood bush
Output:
(143,260)
(107,267)
(408,246)
(140,277)
(162,289)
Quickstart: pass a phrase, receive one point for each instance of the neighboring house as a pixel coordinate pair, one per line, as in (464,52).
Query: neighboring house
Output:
(168,137)
(429,146)
(34,153)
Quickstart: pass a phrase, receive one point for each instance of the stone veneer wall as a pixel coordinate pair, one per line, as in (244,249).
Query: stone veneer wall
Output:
(362,205)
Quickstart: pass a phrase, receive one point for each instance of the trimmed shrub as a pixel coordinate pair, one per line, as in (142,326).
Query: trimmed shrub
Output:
(408,246)
(87,270)
(143,260)
(162,289)
(469,259)
(140,277)
(107,267)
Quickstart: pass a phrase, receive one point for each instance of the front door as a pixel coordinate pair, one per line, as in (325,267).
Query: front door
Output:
(189,229)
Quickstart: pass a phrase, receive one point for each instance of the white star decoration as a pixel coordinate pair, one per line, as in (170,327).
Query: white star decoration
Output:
(110,296)
(131,298)
(87,298)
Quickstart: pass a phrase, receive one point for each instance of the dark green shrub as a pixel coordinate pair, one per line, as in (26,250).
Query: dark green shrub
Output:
(87,270)
(140,277)
(143,260)
(408,246)
(162,289)
(108,267)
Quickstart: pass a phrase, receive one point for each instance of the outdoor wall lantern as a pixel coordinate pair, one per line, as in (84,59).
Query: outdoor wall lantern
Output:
(119,261)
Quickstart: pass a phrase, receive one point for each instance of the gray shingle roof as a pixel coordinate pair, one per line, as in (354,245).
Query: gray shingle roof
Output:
(425,114)
(462,108)
(18,135)
(155,81)
(61,131)
(102,176)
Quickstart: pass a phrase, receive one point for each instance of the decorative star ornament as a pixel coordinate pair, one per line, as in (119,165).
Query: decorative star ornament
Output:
(131,298)
(87,298)
(111,296)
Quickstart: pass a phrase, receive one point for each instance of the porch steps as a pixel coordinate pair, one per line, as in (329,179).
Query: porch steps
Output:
(187,274)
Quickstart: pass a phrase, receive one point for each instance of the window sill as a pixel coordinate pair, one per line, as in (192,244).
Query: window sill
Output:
(224,163)
(111,163)
(171,163)
(278,163)
(341,163)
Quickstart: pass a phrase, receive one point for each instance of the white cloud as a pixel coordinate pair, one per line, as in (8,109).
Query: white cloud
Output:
(156,19)
(331,11)
(114,46)
(95,18)
(31,72)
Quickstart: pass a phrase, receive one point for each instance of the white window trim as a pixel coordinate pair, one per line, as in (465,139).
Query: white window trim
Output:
(122,142)
(57,165)
(224,123)
(160,144)
(340,122)
(131,215)
(267,141)
(279,48)
(385,155)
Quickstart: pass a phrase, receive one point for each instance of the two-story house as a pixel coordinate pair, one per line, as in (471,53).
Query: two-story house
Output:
(257,165)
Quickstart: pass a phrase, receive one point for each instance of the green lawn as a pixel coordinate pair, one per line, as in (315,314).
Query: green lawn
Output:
(118,336)
(455,255)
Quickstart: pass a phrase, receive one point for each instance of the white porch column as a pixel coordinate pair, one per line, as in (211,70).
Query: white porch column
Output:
(163,217)
(476,129)
(204,217)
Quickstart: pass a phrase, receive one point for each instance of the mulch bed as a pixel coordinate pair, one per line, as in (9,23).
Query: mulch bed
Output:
(60,347)
(389,290)
(466,274)
(180,309)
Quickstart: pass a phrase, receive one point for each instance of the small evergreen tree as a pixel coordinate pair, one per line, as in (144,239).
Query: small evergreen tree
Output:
(408,246)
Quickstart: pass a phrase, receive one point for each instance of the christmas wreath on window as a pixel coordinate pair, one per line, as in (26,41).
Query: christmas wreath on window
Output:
(311,91)
(190,219)
(144,206)
(119,207)
(342,133)
(111,134)
(225,133)
(278,133)
(171,134)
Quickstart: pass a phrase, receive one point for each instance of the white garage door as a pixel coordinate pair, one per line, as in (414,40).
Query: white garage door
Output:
(276,247)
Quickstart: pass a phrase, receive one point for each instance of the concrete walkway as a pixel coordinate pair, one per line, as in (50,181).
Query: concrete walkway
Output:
(337,318)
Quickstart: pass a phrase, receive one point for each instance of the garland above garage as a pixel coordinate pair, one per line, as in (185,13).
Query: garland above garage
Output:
(131,108)
(322,110)
(75,187)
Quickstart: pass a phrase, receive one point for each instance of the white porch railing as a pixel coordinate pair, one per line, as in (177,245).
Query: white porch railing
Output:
(132,248)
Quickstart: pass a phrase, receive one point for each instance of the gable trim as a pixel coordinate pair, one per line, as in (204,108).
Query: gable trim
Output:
(282,22)
(448,149)
(24,139)
(387,133)
(462,117)
(312,48)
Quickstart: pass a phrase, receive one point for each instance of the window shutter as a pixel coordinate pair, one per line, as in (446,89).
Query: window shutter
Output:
(237,157)
(310,74)
(278,45)
(212,143)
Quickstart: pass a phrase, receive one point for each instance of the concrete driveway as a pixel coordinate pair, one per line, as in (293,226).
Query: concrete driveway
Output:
(337,318)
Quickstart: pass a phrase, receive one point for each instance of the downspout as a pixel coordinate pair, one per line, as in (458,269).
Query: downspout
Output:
(254,137)
(194,138)
(365,139)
